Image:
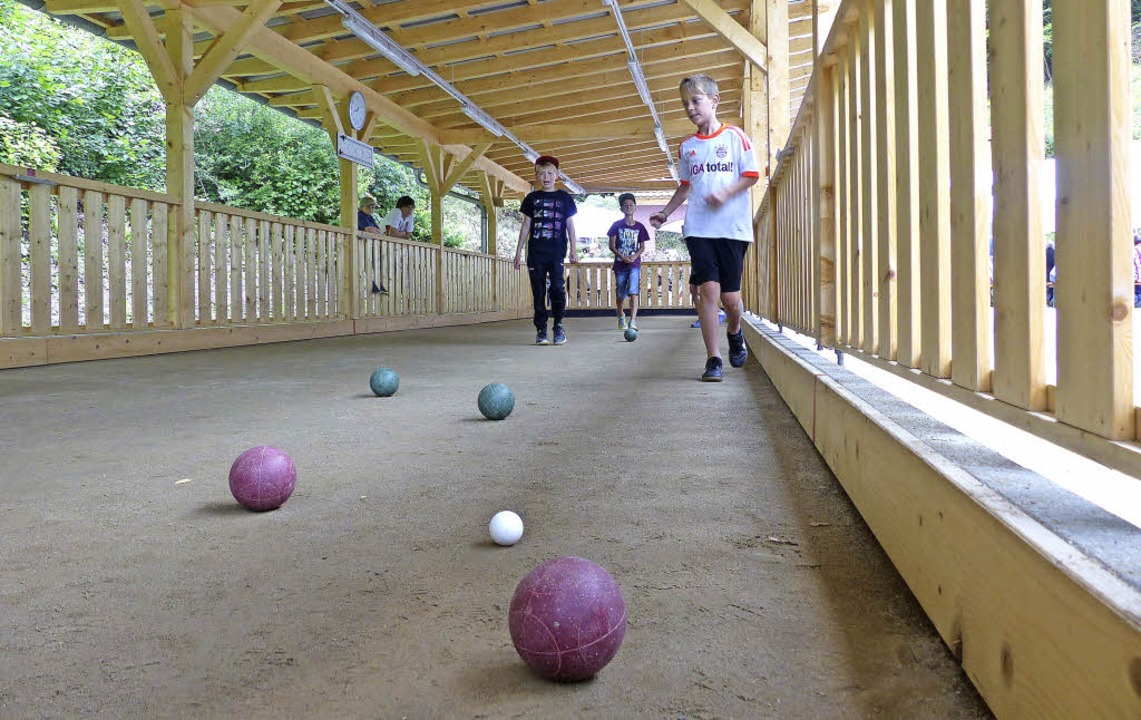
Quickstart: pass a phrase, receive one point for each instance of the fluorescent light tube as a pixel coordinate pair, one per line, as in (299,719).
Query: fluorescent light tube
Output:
(383,44)
(484,120)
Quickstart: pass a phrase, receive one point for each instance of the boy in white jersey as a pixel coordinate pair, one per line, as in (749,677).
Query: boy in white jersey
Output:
(717,168)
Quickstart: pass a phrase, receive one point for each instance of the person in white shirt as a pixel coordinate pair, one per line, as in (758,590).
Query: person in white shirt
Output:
(717,167)
(400,221)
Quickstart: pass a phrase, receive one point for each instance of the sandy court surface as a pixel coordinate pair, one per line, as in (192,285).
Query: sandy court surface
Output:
(753,588)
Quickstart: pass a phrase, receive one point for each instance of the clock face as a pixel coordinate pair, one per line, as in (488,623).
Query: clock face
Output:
(357,110)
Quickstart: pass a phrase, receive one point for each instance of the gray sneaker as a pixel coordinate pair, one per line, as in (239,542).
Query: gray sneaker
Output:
(541,337)
(560,336)
(738,353)
(712,370)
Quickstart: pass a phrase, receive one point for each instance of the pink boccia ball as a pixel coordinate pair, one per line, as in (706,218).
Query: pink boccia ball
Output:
(567,618)
(263,478)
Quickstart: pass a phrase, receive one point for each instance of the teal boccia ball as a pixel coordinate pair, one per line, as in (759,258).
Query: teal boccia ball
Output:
(496,401)
(631,334)
(384,381)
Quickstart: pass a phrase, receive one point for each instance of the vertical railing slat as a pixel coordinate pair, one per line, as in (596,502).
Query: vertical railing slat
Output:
(221,268)
(970,200)
(934,188)
(870,178)
(117,260)
(906,96)
(140,243)
(885,279)
(40,250)
(824,156)
(160,234)
(250,270)
(1094,289)
(11,290)
(1017,149)
(93,259)
(68,259)
(843,206)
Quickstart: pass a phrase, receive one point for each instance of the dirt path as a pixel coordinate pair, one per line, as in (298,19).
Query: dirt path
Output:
(753,588)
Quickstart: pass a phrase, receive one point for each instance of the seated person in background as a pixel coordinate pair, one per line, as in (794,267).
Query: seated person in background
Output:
(1137,269)
(1049,269)
(367,225)
(399,222)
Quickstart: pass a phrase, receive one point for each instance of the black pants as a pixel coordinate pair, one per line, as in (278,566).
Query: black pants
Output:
(540,270)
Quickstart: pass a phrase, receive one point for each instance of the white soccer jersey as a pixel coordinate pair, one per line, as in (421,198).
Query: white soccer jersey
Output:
(709,162)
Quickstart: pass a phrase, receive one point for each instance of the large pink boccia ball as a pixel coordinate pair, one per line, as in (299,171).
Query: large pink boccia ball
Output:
(263,478)
(567,618)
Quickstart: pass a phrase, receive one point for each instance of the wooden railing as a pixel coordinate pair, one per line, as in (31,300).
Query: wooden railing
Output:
(256,268)
(874,234)
(79,256)
(664,285)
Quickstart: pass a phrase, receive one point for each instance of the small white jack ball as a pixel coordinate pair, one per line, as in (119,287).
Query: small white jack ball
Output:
(506,528)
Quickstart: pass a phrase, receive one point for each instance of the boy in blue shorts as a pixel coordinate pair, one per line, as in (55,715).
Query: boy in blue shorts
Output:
(548,224)
(717,168)
(628,239)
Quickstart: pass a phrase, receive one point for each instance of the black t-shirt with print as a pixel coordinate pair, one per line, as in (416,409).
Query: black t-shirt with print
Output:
(548,212)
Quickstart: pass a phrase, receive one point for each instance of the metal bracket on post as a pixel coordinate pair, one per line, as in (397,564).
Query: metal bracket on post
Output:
(840,358)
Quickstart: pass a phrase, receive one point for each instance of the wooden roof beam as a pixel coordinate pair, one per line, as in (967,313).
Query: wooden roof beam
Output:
(621,130)
(583,71)
(227,46)
(749,46)
(300,63)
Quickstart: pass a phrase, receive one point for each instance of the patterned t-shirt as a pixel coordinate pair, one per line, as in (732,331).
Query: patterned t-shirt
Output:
(549,212)
(707,163)
(628,238)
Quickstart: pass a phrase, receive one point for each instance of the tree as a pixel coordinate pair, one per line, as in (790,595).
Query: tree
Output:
(100,109)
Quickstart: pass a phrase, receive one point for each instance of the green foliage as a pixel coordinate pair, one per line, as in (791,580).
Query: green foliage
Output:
(94,99)
(251,156)
(27,145)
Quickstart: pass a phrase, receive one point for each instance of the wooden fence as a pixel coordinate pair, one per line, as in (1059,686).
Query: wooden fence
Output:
(664,285)
(80,257)
(874,236)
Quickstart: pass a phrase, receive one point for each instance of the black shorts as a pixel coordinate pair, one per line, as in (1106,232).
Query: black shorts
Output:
(718,260)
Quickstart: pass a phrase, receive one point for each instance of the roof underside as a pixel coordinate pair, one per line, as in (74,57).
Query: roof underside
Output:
(551,71)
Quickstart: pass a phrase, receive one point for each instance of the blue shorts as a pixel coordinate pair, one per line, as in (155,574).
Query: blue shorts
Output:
(627,282)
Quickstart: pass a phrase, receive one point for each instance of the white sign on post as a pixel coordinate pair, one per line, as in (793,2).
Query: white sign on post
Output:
(354,150)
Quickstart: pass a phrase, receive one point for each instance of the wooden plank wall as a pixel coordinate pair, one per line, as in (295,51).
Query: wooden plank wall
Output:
(910,217)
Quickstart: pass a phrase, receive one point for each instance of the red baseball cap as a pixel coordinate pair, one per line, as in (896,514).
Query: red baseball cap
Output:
(547,160)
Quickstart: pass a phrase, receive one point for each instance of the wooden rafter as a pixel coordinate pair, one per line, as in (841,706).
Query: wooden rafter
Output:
(227,46)
(719,20)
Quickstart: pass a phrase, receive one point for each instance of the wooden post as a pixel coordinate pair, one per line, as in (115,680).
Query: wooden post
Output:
(776,41)
(1095,282)
(755,118)
(488,187)
(180,172)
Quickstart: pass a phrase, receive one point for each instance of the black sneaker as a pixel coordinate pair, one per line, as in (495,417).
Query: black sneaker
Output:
(738,353)
(541,337)
(379,288)
(560,336)
(712,370)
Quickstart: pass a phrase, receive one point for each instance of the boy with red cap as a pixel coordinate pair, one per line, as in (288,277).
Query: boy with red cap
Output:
(548,222)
